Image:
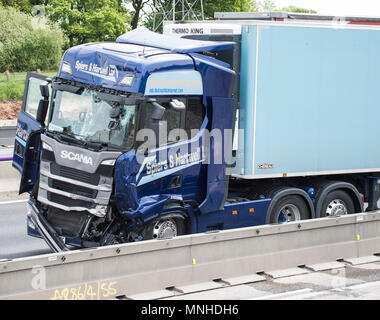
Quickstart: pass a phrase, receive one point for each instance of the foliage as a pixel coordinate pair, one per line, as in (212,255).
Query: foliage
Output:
(28,43)
(297,10)
(265,5)
(11,90)
(209,7)
(138,10)
(22,5)
(89,20)
(14,89)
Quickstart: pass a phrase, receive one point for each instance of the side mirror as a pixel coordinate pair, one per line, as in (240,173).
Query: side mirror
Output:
(115,112)
(177,105)
(158,111)
(42,111)
(44,88)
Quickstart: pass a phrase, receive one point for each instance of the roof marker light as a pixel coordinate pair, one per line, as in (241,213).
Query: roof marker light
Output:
(66,68)
(127,80)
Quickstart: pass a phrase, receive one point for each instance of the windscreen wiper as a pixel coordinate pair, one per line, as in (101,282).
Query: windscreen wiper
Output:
(64,136)
(100,145)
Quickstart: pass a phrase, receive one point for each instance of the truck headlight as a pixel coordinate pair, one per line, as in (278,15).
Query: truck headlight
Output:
(46,146)
(110,162)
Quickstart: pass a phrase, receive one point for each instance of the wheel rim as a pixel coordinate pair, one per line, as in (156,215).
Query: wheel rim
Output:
(289,212)
(164,229)
(336,208)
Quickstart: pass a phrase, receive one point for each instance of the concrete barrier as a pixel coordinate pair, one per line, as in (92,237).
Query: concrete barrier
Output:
(9,176)
(8,123)
(7,132)
(199,260)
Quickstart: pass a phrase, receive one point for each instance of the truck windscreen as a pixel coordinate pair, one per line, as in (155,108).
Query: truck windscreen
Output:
(87,118)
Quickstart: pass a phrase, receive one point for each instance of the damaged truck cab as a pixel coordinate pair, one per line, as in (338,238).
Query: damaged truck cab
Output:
(93,176)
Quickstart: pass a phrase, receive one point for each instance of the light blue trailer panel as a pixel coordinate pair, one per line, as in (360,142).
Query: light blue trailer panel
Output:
(310,101)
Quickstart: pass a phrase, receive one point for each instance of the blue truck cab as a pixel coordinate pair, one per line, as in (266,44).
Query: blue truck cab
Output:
(134,140)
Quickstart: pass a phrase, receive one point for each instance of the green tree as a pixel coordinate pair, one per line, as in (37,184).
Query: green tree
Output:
(138,10)
(266,5)
(21,5)
(28,43)
(297,10)
(89,20)
(209,7)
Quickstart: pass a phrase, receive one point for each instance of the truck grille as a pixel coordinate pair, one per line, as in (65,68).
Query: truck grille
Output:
(71,189)
(68,202)
(74,174)
(68,187)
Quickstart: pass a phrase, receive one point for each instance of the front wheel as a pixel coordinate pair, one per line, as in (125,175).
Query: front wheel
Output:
(164,228)
(289,208)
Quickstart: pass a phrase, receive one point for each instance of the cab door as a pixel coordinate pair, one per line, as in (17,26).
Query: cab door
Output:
(26,156)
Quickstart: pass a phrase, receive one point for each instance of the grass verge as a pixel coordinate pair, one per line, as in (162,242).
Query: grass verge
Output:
(14,89)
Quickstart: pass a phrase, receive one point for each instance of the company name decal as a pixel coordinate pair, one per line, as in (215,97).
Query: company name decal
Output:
(265,166)
(21,133)
(72,156)
(109,72)
(178,82)
(187,30)
(153,167)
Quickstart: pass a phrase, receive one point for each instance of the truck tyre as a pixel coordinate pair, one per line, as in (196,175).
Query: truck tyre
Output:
(289,208)
(164,228)
(336,203)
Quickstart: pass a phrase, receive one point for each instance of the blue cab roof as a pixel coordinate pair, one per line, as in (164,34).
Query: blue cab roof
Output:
(141,52)
(145,37)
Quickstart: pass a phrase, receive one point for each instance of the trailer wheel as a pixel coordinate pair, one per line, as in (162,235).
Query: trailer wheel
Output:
(289,208)
(336,203)
(164,228)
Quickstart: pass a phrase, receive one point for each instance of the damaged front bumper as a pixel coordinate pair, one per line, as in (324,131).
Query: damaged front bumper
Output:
(38,226)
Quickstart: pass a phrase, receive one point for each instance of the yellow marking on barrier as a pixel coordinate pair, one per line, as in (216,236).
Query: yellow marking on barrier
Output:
(193,262)
(358,237)
(95,291)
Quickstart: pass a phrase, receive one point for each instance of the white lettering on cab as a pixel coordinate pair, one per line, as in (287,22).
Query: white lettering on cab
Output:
(69,155)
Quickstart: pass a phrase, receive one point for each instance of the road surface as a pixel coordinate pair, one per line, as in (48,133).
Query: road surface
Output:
(14,242)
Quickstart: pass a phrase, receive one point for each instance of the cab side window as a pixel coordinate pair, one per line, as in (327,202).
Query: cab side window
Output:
(189,120)
(33,96)
(173,121)
(195,114)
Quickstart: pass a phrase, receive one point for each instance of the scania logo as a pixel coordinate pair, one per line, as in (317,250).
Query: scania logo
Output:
(76,157)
